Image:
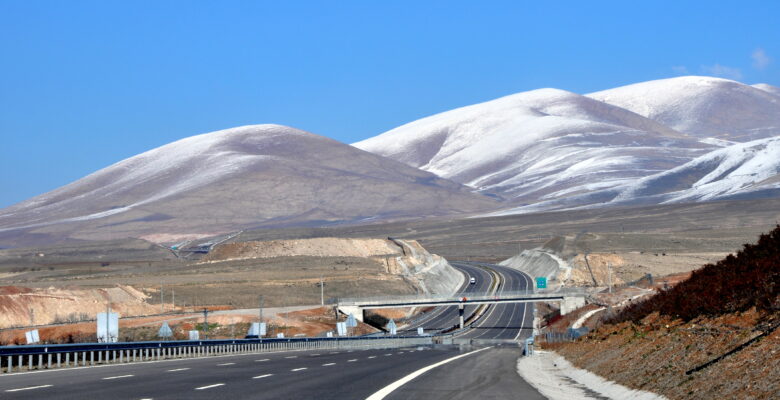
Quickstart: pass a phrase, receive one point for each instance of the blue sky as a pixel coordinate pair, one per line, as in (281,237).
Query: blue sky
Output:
(86,84)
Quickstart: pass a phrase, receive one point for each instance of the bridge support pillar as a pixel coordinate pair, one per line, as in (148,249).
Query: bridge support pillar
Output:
(460,315)
(570,304)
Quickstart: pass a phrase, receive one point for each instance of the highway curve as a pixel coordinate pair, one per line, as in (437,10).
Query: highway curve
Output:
(447,317)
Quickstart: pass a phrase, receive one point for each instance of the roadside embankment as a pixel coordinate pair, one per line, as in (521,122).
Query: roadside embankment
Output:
(558,379)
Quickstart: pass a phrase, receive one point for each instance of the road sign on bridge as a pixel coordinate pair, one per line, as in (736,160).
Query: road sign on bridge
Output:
(541,282)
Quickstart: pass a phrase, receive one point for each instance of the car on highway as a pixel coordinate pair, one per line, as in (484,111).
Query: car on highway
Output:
(473,280)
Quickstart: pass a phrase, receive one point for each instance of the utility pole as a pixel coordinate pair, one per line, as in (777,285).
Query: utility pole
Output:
(206,322)
(261,307)
(162,304)
(322,292)
(108,313)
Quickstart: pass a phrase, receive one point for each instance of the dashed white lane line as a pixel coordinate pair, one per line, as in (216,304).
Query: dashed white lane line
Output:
(262,376)
(265,359)
(388,355)
(291,357)
(298,369)
(117,377)
(334,352)
(177,369)
(28,388)
(210,386)
(223,364)
(328,364)
(315,354)
(371,356)
(382,393)
(352,360)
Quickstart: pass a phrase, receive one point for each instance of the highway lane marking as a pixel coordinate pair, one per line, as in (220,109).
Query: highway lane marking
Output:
(388,355)
(117,377)
(298,369)
(371,356)
(265,359)
(177,369)
(28,388)
(262,376)
(291,357)
(210,386)
(328,364)
(223,364)
(352,360)
(334,352)
(316,354)
(382,393)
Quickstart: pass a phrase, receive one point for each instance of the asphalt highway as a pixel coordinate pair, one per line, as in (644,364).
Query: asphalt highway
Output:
(447,317)
(430,372)
(285,375)
(505,321)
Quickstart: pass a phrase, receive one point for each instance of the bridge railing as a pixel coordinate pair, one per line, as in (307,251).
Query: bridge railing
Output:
(432,298)
(39,357)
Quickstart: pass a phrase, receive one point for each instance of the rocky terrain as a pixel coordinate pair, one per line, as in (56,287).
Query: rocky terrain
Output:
(713,335)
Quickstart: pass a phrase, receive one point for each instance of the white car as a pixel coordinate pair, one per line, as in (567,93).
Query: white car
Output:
(473,280)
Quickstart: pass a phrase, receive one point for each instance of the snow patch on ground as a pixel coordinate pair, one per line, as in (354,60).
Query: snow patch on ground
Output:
(555,378)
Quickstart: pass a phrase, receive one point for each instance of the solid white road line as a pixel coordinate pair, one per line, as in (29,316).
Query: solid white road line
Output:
(328,364)
(117,377)
(28,388)
(262,376)
(223,364)
(177,369)
(382,393)
(210,386)
(265,359)
(298,369)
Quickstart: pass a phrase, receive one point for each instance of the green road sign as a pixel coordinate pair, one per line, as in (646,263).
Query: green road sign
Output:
(541,282)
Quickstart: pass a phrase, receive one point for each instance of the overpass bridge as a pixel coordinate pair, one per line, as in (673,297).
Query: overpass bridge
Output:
(569,300)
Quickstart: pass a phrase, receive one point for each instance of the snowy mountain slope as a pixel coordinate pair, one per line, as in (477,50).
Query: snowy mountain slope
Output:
(263,175)
(768,88)
(702,106)
(741,171)
(537,146)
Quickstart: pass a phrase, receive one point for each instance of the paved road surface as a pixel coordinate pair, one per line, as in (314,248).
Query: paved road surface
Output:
(506,321)
(489,373)
(447,317)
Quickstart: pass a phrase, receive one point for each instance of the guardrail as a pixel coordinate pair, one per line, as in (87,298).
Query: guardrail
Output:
(39,357)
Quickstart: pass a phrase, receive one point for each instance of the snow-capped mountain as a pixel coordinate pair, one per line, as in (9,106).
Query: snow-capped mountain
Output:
(704,107)
(768,88)
(537,146)
(741,171)
(262,175)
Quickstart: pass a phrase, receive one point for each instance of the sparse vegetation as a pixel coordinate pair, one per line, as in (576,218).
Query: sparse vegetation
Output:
(736,283)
